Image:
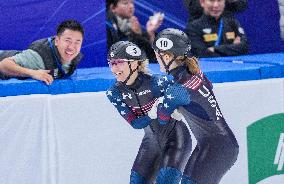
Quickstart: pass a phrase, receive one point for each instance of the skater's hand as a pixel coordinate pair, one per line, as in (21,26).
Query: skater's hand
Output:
(177,115)
(153,112)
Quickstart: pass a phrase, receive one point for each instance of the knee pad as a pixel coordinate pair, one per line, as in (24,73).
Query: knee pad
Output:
(168,175)
(136,178)
(186,180)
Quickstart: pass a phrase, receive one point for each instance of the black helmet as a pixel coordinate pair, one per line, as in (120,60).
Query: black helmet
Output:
(126,50)
(172,40)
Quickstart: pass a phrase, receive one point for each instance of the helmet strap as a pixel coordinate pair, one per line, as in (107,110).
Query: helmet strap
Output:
(167,66)
(131,72)
(184,59)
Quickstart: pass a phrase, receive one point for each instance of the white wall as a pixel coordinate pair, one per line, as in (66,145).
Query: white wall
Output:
(243,103)
(80,138)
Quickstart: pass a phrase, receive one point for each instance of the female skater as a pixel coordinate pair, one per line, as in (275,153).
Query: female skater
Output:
(165,149)
(217,148)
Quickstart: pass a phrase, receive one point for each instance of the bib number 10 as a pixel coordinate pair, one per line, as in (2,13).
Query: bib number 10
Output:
(164,43)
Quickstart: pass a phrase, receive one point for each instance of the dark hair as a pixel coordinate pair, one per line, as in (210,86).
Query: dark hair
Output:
(111,2)
(73,25)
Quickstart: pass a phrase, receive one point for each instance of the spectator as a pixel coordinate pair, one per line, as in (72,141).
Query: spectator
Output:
(231,7)
(46,59)
(215,35)
(122,25)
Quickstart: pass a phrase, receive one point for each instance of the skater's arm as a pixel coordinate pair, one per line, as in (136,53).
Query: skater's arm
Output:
(175,96)
(125,111)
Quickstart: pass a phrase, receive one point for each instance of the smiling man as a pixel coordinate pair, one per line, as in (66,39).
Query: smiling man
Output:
(216,34)
(47,59)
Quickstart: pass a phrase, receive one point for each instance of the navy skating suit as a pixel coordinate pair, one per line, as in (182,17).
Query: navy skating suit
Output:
(163,146)
(217,148)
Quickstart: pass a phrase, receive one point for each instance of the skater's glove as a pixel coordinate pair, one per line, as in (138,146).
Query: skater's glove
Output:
(177,115)
(153,112)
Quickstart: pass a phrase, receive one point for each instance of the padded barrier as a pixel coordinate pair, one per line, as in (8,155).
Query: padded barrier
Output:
(96,79)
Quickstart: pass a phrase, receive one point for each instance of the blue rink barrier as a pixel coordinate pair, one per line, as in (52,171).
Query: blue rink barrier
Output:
(97,79)
(272,59)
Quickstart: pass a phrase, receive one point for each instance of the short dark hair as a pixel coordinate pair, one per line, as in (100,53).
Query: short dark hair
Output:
(73,25)
(111,2)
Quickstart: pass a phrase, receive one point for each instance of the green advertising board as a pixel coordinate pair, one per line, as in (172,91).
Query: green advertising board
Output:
(265,141)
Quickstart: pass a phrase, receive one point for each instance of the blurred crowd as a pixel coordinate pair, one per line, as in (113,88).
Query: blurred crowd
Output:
(212,27)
